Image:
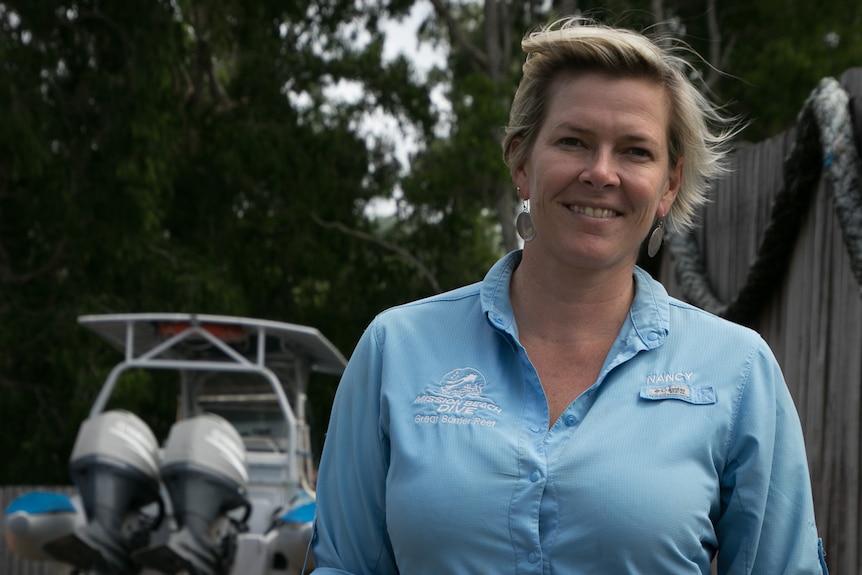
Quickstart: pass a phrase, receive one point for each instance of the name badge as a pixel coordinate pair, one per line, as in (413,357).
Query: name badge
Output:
(695,394)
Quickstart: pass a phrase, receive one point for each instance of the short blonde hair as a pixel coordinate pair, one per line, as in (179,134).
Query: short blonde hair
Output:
(697,132)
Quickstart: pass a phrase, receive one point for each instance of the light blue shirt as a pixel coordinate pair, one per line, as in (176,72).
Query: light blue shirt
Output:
(439,458)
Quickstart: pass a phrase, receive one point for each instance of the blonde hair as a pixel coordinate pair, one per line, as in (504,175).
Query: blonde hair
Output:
(697,132)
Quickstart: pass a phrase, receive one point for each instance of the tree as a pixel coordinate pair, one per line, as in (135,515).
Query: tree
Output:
(186,155)
(781,52)
(740,44)
(153,160)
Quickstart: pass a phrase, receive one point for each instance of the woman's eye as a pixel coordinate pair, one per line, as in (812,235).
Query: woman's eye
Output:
(640,152)
(570,142)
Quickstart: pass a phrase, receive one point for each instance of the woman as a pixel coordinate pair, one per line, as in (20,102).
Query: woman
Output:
(565,415)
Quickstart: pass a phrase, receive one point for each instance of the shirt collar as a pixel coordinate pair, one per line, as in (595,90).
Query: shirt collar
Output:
(650,312)
(494,293)
(649,317)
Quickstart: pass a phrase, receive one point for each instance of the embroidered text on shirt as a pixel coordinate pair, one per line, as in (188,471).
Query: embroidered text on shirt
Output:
(669,377)
(459,399)
(670,391)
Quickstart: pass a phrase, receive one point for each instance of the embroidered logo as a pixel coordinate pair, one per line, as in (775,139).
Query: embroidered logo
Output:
(463,382)
(458,399)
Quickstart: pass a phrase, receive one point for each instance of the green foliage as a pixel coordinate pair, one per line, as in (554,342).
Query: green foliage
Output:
(782,52)
(186,156)
(151,161)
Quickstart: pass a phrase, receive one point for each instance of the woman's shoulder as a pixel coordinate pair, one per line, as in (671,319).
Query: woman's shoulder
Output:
(732,354)
(434,305)
(689,322)
(690,319)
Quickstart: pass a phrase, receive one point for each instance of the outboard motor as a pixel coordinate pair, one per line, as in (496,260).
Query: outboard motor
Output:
(114,465)
(204,470)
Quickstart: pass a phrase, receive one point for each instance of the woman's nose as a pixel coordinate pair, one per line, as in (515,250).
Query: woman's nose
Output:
(600,170)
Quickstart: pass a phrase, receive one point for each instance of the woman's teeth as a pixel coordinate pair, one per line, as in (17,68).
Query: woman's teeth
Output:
(593,212)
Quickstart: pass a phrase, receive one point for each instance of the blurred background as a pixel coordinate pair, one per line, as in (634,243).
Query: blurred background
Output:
(307,162)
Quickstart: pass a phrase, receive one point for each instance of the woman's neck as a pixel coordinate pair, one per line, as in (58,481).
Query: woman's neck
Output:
(570,306)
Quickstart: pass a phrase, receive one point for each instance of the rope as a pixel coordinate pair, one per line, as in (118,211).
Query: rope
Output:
(823,145)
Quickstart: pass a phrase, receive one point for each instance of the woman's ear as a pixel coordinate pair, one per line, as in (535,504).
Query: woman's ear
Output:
(674,181)
(518,172)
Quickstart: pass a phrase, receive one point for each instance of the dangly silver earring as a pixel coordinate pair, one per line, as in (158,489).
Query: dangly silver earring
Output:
(524,223)
(656,237)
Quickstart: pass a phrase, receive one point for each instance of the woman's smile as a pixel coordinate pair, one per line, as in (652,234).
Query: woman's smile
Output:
(600,213)
(602,156)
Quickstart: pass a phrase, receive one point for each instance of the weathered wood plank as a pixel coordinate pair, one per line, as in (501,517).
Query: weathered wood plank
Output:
(813,322)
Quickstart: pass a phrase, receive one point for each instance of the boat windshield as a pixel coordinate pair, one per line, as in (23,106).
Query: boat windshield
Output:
(247,401)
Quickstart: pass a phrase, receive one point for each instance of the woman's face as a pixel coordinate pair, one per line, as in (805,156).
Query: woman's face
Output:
(599,171)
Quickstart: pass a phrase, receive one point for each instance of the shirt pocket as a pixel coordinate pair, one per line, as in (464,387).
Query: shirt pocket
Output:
(694,394)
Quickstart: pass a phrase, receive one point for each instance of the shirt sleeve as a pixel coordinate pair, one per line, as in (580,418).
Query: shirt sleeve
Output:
(350,535)
(767,512)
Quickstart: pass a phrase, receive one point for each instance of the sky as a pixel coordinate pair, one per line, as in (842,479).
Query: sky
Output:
(401,39)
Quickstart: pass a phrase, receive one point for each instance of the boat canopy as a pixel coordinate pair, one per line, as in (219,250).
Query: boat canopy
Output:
(137,333)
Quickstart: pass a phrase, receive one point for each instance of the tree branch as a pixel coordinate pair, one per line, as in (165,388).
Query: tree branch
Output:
(411,260)
(9,277)
(718,57)
(479,58)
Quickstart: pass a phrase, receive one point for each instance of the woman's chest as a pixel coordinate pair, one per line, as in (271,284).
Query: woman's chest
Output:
(617,471)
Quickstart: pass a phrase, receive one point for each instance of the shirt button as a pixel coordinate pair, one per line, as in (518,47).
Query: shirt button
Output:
(652,336)
(571,420)
(532,557)
(535,476)
(535,429)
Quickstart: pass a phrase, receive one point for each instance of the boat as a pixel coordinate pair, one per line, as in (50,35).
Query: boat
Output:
(231,489)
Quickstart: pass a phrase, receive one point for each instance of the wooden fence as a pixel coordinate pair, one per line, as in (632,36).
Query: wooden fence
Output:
(812,317)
